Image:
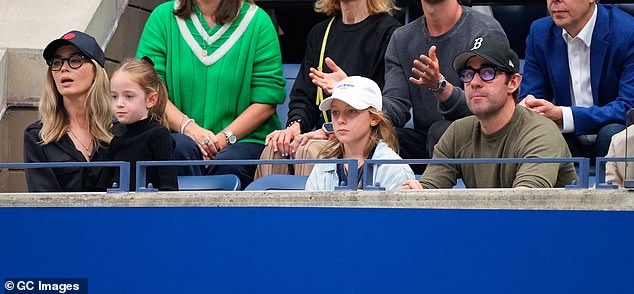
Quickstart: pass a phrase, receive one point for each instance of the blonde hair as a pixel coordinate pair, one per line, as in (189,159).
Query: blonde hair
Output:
(333,7)
(55,118)
(383,131)
(143,74)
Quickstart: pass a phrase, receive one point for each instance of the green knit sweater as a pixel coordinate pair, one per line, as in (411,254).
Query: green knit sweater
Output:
(214,74)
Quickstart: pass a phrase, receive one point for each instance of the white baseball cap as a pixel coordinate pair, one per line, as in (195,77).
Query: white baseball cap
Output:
(358,92)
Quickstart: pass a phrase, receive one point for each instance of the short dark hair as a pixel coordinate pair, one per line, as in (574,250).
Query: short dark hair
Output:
(516,94)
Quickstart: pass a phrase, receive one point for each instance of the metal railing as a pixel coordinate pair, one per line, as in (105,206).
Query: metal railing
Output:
(124,169)
(582,162)
(601,169)
(141,185)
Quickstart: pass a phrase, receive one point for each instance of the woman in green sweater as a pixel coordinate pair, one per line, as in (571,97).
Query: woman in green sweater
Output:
(221,62)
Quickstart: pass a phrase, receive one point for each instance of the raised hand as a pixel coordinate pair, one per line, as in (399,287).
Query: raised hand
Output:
(427,69)
(327,81)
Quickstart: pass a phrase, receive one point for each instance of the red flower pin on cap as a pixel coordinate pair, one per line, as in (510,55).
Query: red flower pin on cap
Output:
(68,36)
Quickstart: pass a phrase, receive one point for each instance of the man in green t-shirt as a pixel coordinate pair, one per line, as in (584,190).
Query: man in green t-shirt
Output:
(498,129)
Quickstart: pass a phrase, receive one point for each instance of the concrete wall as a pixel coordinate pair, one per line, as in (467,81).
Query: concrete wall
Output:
(130,26)
(451,241)
(521,199)
(26,27)
(12,132)
(3,81)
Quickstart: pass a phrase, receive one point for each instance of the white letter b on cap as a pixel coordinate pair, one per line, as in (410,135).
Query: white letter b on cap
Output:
(477,43)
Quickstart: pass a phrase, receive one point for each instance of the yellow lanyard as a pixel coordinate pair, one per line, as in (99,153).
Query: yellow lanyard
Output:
(320,91)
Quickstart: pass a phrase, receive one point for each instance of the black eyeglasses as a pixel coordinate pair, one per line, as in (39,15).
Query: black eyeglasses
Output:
(487,73)
(75,62)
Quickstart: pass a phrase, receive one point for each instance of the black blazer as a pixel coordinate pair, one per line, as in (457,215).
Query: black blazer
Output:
(65,179)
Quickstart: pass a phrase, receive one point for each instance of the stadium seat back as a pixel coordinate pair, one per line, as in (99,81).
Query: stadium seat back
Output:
(278,182)
(209,183)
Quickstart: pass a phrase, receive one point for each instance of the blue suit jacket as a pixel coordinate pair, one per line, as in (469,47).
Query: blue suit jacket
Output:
(547,76)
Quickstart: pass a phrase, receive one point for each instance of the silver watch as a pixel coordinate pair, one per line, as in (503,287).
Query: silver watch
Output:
(441,85)
(231,137)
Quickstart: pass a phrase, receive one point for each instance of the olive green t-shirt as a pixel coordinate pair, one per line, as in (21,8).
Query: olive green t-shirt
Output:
(526,135)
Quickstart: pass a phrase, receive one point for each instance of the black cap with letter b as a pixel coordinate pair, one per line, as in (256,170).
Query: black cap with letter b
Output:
(493,47)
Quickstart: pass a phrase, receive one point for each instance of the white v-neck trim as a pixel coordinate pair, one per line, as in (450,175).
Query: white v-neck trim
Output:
(209,39)
(222,50)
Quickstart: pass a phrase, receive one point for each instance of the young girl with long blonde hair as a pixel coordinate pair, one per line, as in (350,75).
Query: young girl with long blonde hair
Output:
(361,131)
(138,102)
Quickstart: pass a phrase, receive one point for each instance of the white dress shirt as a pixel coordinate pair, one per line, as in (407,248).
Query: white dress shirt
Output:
(579,65)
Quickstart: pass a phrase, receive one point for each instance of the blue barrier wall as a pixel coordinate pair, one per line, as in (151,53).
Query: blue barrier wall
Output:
(321,250)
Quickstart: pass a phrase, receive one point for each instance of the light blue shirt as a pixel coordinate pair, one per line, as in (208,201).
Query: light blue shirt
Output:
(390,176)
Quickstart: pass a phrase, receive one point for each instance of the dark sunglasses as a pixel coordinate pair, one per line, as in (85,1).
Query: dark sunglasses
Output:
(75,62)
(487,73)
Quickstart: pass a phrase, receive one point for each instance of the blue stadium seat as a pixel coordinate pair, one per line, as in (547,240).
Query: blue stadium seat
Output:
(516,21)
(290,73)
(278,182)
(629,8)
(209,183)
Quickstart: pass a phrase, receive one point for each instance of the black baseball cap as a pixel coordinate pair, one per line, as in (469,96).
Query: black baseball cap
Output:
(84,42)
(492,46)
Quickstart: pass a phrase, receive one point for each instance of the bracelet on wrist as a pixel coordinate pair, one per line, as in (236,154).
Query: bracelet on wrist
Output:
(291,123)
(182,129)
(180,123)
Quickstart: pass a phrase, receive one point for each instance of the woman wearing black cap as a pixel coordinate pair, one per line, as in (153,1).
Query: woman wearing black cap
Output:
(75,115)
